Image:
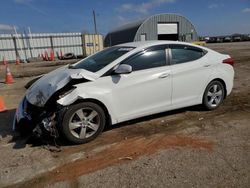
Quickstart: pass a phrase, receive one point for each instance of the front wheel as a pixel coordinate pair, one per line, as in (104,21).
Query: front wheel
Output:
(213,95)
(83,122)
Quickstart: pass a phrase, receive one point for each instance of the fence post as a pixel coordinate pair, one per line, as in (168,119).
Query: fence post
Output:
(15,46)
(51,42)
(83,45)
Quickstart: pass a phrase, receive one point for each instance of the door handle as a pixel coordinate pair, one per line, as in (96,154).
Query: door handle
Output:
(164,75)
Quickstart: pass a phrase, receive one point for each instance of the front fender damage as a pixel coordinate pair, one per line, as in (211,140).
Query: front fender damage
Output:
(44,88)
(53,114)
(50,122)
(71,98)
(45,118)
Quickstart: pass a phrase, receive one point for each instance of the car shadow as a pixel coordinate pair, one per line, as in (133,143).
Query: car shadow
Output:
(6,122)
(10,136)
(6,132)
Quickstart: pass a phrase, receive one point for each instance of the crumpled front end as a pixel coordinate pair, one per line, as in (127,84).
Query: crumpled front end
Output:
(39,109)
(44,88)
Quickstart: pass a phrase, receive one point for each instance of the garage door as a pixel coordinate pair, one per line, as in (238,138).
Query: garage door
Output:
(167,28)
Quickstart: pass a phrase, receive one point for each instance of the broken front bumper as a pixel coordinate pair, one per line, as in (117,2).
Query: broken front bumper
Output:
(30,119)
(21,115)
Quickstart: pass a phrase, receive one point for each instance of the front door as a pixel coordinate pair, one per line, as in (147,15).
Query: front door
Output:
(147,89)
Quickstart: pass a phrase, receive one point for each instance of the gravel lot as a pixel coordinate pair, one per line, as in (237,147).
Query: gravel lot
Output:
(183,148)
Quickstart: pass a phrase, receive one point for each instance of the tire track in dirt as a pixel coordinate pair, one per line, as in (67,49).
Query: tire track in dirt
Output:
(118,153)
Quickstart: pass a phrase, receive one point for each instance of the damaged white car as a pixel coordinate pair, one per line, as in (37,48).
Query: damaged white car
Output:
(121,83)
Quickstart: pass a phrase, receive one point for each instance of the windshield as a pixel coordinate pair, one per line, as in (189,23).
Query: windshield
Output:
(101,59)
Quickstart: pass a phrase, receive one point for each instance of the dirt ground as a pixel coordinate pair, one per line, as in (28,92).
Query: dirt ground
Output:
(183,148)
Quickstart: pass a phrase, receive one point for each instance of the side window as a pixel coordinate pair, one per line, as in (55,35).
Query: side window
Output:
(183,53)
(147,59)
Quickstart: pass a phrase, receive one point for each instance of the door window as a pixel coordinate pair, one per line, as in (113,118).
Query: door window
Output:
(184,53)
(147,59)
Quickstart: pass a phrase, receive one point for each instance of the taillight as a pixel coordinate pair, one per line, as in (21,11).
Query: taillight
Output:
(229,61)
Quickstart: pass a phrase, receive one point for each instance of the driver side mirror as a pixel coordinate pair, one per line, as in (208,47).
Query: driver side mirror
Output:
(123,69)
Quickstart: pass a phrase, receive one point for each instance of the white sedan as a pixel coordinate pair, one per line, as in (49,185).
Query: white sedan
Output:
(124,82)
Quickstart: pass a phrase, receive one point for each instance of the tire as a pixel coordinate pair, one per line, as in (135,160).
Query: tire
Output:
(213,95)
(83,122)
(69,56)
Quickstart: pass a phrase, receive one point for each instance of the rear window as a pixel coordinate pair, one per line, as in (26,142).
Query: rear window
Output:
(184,53)
(101,59)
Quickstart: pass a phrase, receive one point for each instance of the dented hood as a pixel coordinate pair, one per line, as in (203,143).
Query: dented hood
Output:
(39,93)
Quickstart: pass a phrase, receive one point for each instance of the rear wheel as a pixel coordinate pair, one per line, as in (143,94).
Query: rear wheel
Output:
(213,95)
(83,122)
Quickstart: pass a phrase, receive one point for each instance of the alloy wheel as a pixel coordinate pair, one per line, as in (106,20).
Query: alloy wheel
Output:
(84,123)
(214,95)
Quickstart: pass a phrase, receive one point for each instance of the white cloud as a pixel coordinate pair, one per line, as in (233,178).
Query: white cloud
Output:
(246,10)
(213,6)
(4,27)
(37,9)
(23,1)
(142,8)
(29,3)
(122,20)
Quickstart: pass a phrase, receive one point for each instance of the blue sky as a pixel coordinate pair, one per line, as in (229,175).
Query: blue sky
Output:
(210,17)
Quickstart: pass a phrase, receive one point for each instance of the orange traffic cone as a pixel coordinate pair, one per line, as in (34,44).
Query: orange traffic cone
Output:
(52,55)
(8,78)
(18,60)
(2,106)
(5,62)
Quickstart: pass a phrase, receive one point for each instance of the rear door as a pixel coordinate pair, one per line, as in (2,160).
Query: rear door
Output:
(190,72)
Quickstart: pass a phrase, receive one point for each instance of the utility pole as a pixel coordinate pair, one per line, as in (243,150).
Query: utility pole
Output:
(94,17)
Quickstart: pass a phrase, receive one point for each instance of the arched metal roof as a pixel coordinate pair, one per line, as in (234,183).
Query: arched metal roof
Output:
(132,31)
(122,34)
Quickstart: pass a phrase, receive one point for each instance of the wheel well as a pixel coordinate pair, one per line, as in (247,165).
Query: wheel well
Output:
(223,83)
(108,117)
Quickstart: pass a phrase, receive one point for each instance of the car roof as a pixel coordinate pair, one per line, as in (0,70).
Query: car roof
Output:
(145,44)
(141,45)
